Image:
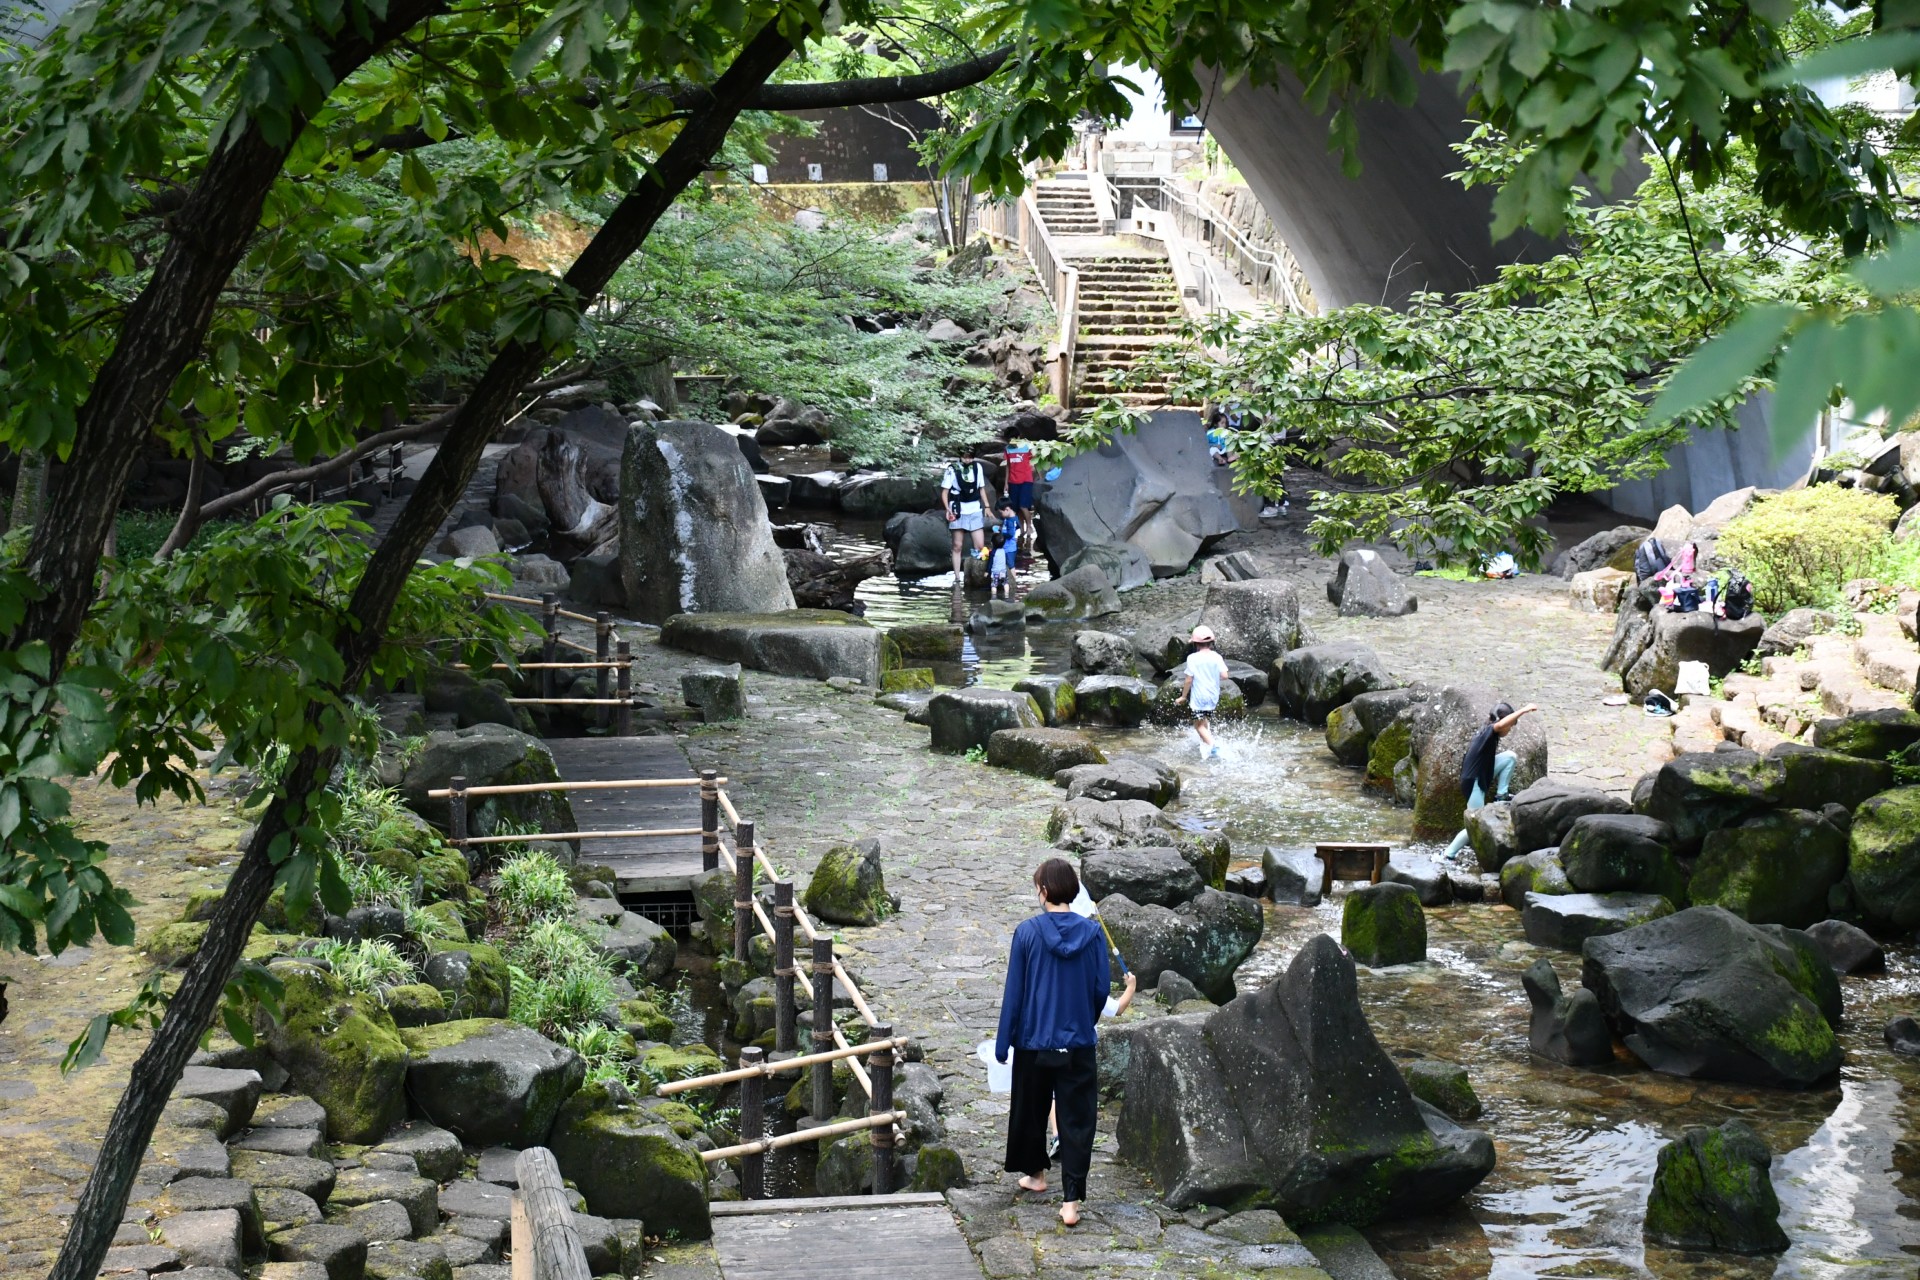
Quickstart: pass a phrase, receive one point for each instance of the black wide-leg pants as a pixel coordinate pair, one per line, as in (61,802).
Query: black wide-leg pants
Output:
(1073,1091)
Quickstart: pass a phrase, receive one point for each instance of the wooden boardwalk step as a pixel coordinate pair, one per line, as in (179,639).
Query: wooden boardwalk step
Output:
(654,864)
(842,1238)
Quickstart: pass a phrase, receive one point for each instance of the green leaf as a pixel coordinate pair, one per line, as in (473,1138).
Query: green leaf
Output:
(1892,273)
(1716,369)
(1848,58)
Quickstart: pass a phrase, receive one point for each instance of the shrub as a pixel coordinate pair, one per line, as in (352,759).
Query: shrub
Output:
(532,886)
(369,965)
(561,981)
(1800,546)
(373,885)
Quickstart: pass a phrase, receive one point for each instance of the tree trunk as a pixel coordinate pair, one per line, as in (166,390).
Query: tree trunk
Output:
(158,1069)
(29,490)
(189,522)
(160,335)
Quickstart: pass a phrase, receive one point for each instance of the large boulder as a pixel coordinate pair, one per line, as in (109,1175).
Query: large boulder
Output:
(1084,593)
(1814,777)
(1712,1190)
(921,543)
(1147,876)
(1154,488)
(1565,921)
(876,495)
(1440,730)
(1847,947)
(1795,629)
(1364,585)
(492,1083)
(1124,565)
(1286,1094)
(1538,872)
(1125,777)
(1293,876)
(1722,643)
(849,885)
(487,755)
(1085,826)
(1883,863)
(694,536)
(1611,852)
(628,1164)
(1776,867)
(1872,735)
(1254,622)
(1169,708)
(962,719)
(1043,753)
(1347,737)
(341,1050)
(1382,924)
(1570,1029)
(1601,551)
(1310,682)
(1545,811)
(1491,835)
(1703,791)
(473,980)
(1116,700)
(817,644)
(1102,653)
(1203,939)
(637,946)
(1703,993)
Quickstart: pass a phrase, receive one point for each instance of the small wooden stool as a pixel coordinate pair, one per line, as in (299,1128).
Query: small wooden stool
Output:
(1350,862)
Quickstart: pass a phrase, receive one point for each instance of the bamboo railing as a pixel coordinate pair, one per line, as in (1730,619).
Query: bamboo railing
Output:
(612,663)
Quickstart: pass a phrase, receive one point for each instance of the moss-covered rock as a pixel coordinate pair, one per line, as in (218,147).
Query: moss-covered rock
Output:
(904,679)
(490,1082)
(677,1116)
(342,1051)
(713,901)
(1537,872)
(1712,1191)
(628,1164)
(175,944)
(1392,745)
(929,642)
(202,903)
(473,977)
(1207,852)
(848,886)
(1169,708)
(1383,924)
(1622,852)
(1871,735)
(450,919)
(1042,752)
(444,876)
(1443,1085)
(488,755)
(416,1004)
(643,1020)
(1053,695)
(938,1169)
(1347,736)
(1883,862)
(680,1062)
(1775,868)
(404,866)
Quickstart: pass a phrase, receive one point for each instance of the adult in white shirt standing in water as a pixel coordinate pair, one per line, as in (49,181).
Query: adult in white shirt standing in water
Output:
(963,494)
(1205,670)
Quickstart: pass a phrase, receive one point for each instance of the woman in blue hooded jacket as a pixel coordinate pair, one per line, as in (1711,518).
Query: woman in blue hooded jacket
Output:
(1057,983)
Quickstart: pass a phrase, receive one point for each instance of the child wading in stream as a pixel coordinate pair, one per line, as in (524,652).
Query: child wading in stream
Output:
(1205,670)
(1486,770)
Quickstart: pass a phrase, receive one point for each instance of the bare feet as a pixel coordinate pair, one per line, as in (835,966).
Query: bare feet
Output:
(1070,1213)
(1031,1183)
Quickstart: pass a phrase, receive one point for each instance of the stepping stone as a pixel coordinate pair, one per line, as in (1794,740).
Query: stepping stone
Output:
(206,1238)
(289,1111)
(435,1152)
(310,1177)
(284,1142)
(488,1231)
(491,1272)
(1272,1257)
(364,1186)
(341,1250)
(391,1161)
(205,1273)
(280,1207)
(293,1271)
(195,1113)
(203,1160)
(1565,920)
(203,1195)
(467,1198)
(233,1091)
(398,1259)
(380,1221)
(498,1164)
(140,1257)
(463,1251)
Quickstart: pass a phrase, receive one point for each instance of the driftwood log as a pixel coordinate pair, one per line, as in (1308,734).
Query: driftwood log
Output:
(820,583)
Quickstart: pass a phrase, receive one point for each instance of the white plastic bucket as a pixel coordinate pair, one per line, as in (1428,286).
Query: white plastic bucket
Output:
(999,1074)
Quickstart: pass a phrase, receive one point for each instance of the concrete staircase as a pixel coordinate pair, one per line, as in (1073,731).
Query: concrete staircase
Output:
(1067,208)
(1128,305)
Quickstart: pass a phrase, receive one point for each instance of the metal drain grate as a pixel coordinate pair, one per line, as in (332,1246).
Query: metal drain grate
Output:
(671,910)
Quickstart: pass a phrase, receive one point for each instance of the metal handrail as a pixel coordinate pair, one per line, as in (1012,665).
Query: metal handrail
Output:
(1020,225)
(1268,272)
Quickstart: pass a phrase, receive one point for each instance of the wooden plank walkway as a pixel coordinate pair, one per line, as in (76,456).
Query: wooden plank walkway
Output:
(652,864)
(842,1238)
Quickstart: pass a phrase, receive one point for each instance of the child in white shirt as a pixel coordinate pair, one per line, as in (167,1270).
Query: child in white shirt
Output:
(1205,670)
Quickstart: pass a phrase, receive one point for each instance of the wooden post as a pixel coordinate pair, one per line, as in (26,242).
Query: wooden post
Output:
(623,654)
(550,650)
(743,891)
(753,1126)
(393,469)
(822,1026)
(709,819)
(552,1248)
(786,1033)
(603,652)
(880,1072)
(457,811)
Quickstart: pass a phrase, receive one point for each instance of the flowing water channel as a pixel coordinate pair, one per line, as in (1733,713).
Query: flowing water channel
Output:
(1576,1147)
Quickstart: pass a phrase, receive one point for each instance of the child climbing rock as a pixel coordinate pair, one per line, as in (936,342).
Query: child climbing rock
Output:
(1485,769)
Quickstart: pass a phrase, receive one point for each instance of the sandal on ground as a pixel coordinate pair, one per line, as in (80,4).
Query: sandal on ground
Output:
(1026,1184)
